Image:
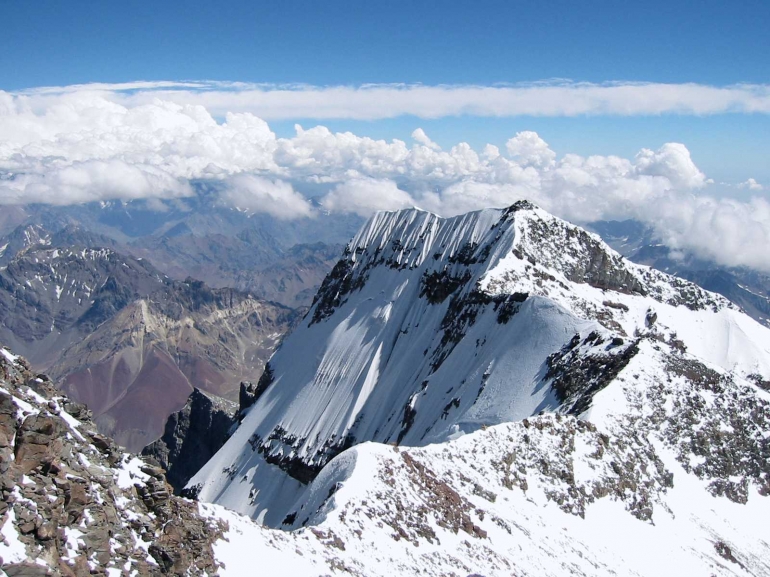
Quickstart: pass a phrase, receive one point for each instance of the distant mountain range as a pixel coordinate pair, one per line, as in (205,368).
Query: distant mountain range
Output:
(282,261)
(129,341)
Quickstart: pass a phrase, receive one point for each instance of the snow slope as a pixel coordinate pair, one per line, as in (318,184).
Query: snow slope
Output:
(429,328)
(669,477)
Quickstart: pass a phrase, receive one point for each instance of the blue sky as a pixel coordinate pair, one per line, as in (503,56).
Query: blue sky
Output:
(352,43)
(336,42)
(717,43)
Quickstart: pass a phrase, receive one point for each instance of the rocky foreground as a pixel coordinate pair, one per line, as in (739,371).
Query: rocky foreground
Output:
(74,504)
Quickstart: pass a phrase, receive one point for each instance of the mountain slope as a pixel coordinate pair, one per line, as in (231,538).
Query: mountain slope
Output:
(431,328)
(127,340)
(746,287)
(250,261)
(548,496)
(72,503)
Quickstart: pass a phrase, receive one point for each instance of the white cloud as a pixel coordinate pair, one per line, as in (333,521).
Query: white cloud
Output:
(530,150)
(420,137)
(751,184)
(61,183)
(465,196)
(96,143)
(376,101)
(725,230)
(672,161)
(259,194)
(366,196)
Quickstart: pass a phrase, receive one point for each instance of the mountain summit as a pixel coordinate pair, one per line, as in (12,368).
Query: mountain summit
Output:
(431,328)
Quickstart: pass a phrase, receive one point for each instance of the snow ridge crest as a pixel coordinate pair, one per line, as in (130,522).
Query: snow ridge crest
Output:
(429,329)
(520,249)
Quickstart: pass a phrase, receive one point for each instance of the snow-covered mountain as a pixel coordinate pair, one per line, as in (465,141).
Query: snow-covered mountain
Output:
(453,335)
(399,428)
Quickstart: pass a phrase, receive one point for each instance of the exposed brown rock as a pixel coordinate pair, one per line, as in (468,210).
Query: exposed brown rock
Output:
(38,441)
(55,477)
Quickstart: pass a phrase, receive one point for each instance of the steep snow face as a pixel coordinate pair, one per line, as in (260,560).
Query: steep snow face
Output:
(428,329)
(669,477)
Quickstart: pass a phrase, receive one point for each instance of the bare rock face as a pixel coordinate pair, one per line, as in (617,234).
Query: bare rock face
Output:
(192,436)
(38,442)
(72,503)
(128,341)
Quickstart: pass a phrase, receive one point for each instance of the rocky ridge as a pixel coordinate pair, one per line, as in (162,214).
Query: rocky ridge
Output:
(74,504)
(192,436)
(550,495)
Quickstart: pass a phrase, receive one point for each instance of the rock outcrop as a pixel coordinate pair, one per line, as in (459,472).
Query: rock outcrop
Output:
(192,436)
(73,504)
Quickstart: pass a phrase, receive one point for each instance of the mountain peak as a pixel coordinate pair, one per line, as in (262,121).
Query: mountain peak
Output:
(519,250)
(430,328)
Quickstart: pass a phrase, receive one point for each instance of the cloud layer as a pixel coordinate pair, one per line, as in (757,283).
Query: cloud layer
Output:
(88,143)
(378,101)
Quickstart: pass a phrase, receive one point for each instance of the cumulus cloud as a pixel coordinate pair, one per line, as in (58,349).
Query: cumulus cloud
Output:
(366,196)
(530,150)
(102,142)
(85,147)
(258,194)
(90,180)
(673,162)
(751,184)
(725,230)
(420,137)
